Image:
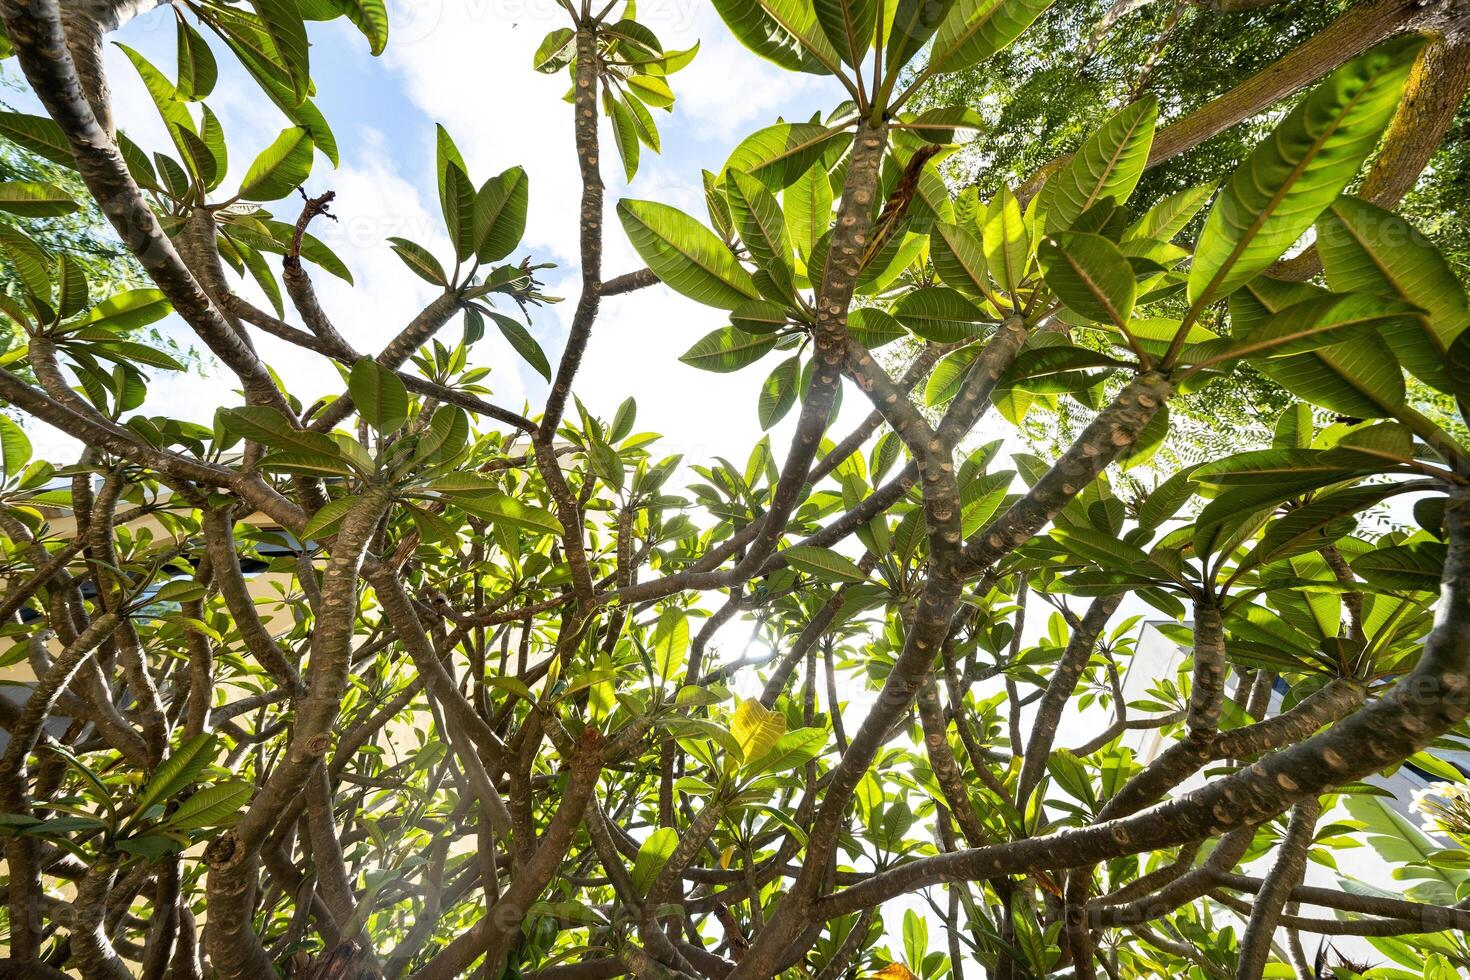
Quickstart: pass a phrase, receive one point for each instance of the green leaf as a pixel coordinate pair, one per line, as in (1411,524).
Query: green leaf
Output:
(212,806)
(30,199)
(40,135)
(1090,275)
(944,380)
(1360,378)
(778,393)
(757,729)
(1301,168)
(728,349)
(625,133)
(198,70)
(760,316)
(500,214)
(848,26)
(606,463)
(379,395)
(940,314)
(30,260)
(1273,467)
(807,204)
(1167,218)
(914,23)
(822,563)
(128,310)
(370,17)
(758,219)
(685,255)
(287,32)
(1107,165)
(1324,321)
(778,155)
(281,167)
(977,29)
(959,258)
(324,522)
(670,641)
(1414,567)
(1364,247)
(793,749)
(15,447)
(873,327)
(1006,242)
(457,202)
(525,345)
(499,508)
(417,258)
(557,50)
(177,770)
(758,26)
(653,854)
(1313,526)
(267,426)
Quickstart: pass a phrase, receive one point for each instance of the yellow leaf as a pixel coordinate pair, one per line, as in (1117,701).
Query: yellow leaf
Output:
(894,971)
(757,729)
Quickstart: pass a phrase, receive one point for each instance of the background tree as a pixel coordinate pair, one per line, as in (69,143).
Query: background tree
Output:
(484,731)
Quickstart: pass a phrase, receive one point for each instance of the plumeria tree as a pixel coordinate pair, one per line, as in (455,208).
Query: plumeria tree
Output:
(484,724)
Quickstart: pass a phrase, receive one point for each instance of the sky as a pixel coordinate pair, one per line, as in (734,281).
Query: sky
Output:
(467,64)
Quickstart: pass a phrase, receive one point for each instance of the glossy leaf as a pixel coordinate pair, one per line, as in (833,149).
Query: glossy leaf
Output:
(1293,175)
(685,255)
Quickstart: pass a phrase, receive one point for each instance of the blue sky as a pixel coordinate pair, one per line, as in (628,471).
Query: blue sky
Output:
(466,64)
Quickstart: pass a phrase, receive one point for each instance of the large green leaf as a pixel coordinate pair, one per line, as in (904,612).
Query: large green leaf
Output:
(30,199)
(1107,165)
(822,563)
(370,17)
(685,255)
(1168,217)
(761,225)
(1413,567)
(379,395)
(287,32)
(1274,467)
(728,349)
(914,23)
(959,258)
(977,29)
(39,134)
(756,28)
(778,392)
(500,214)
(1360,378)
(1324,321)
(280,168)
(848,26)
(1311,527)
(1090,275)
(1007,245)
(653,854)
(15,447)
(501,509)
(778,155)
(178,769)
(807,204)
(1301,168)
(940,314)
(198,70)
(1364,247)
